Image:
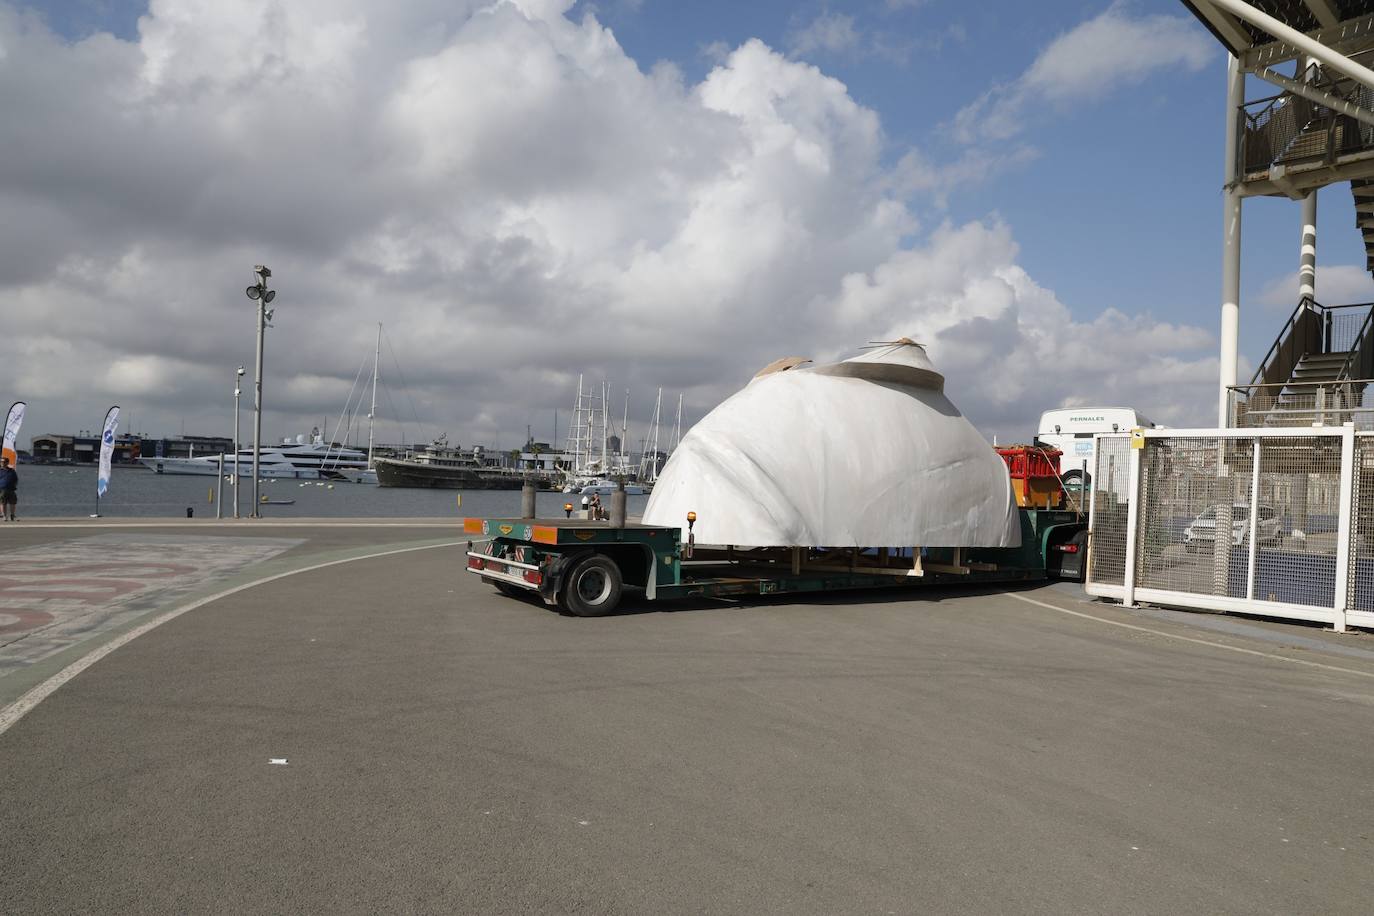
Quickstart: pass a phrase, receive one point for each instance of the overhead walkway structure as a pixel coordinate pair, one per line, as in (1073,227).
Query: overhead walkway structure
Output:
(1315,129)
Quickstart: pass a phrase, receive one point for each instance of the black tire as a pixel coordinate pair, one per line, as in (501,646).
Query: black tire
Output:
(1080,475)
(510,591)
(593,587)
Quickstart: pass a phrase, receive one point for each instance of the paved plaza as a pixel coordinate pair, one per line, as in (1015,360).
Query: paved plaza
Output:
(387,734)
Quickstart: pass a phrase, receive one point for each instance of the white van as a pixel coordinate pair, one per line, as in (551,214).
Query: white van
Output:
(1070,429)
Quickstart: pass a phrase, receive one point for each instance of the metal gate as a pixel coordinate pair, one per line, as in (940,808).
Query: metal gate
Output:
(1277,523)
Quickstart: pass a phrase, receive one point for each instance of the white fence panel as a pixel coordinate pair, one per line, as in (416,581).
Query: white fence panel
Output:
(1271,522)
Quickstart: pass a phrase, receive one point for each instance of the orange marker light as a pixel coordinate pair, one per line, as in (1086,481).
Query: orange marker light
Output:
(691,516)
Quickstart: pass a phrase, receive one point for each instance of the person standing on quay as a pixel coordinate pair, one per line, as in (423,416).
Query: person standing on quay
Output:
(9,484)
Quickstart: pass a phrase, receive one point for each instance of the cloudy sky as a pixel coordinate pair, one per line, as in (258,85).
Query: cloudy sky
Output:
(648,192)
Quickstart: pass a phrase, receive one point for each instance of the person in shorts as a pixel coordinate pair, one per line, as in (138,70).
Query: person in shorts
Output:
(9,486)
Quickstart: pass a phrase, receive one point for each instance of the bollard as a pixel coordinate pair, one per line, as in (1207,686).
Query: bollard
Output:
(618,505)
(527,500)
(190,513)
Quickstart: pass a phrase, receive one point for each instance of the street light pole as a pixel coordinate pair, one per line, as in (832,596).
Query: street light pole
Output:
(263,296)
(257,410)
(238,381)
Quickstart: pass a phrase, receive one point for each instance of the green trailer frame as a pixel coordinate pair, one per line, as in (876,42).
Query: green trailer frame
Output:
(583,567)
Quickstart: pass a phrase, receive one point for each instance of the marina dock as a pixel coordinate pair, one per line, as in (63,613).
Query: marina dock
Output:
(331,716)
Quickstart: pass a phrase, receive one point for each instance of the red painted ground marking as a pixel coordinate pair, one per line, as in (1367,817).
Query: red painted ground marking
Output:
(144,570)
(23,620)
(88,590)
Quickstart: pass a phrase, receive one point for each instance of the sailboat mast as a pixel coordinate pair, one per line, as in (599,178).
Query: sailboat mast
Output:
(372,411)
(575,430)
(677,428)
(605,423)
(624,429)
(653,465)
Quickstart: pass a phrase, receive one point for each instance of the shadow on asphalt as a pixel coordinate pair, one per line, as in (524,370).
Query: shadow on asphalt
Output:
(634,603)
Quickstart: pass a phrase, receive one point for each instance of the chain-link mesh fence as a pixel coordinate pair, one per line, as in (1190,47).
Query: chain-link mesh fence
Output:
(1244,522)
(1110,503)
(1362,527)
(1194,519)
(1304,404)
(1298,523)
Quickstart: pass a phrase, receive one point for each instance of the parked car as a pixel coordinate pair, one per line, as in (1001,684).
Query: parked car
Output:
(1203,529)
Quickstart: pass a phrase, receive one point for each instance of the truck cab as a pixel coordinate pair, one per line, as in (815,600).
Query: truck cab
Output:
(1071,430)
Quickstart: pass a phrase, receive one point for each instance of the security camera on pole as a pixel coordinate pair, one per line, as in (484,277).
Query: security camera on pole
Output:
(263,296)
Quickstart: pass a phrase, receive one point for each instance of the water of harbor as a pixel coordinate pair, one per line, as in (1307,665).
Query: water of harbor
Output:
(54,491)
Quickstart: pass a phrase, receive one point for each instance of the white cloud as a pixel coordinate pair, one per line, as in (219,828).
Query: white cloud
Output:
(1337,284)
(512,196)
(1111,50)
(839,35)
(831,33)
(1010,349)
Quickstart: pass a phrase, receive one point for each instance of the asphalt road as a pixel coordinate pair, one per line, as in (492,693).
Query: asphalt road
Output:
(449,750)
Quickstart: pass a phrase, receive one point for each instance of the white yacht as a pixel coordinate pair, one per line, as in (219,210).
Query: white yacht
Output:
(298,460)
(607,487)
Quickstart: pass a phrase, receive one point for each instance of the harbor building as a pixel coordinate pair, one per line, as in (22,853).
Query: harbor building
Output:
(84,447)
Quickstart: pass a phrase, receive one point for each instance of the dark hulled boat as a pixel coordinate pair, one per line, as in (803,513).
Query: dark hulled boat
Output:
(439,466)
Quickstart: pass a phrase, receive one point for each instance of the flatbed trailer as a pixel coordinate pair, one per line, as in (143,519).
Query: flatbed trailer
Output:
(584,567)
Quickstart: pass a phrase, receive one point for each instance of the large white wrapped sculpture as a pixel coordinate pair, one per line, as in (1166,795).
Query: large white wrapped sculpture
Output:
(867,452)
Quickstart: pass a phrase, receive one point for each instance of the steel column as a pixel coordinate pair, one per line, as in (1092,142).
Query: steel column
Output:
(1231,223)
(1343,546)
(1132,521)
(1307,265)
(1254,520)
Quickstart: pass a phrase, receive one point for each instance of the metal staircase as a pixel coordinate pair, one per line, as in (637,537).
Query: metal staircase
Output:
(1286,136)
(1363,192)
(1316,371)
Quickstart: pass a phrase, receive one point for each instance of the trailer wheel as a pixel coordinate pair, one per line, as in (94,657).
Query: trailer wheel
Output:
(593,587)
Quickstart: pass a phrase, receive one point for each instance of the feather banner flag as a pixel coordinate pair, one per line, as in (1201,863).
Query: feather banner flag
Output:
(107,438)
(12,424)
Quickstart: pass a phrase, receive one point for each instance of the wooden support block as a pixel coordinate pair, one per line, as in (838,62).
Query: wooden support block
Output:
(947,568)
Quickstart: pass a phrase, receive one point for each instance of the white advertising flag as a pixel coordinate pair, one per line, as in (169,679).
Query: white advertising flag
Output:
(107,438)
(12,424)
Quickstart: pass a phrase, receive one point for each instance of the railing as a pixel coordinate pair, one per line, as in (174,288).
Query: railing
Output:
(1302,404)
(1288,128)
(1360,363)
(1268,128)
(1301,334)
(1313,329)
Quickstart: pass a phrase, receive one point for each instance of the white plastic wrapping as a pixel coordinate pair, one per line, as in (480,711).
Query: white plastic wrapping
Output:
(863,453)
